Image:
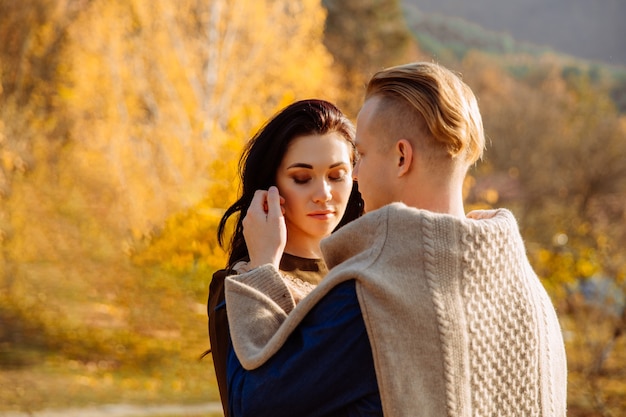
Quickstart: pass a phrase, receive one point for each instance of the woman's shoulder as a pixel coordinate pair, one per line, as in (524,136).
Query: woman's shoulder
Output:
(222,273)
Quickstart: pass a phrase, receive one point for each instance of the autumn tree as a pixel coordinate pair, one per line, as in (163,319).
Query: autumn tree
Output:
(283,60)
(364,37)
(557,142)
(116,116)
(32,34)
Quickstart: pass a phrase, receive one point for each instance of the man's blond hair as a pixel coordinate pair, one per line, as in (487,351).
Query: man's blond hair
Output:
(425,98)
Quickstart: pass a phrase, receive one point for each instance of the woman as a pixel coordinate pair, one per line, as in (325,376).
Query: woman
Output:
(307,151)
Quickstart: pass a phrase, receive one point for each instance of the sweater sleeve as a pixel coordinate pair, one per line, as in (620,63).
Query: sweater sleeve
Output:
(325,367)
(257,302)
(266,280)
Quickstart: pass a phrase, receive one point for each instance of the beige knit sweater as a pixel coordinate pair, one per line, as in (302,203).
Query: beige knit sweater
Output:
(458,322)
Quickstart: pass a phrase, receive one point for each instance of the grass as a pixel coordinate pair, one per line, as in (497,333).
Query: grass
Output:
(82,337)
(58,383)
(160,320)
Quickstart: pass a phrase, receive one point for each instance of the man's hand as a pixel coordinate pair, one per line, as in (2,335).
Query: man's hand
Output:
(481,214)
(264,228)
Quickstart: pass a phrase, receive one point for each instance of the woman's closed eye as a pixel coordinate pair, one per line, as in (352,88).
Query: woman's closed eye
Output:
(337,174)
(301,179)
(340,175)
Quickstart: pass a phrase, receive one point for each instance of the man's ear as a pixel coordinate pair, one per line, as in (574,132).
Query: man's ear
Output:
(404,155)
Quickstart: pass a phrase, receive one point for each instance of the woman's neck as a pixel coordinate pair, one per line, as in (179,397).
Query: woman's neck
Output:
(310,250)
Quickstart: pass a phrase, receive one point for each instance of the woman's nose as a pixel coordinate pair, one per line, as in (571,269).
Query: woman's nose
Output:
(324,192)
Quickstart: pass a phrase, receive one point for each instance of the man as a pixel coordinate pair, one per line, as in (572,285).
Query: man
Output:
(426,311)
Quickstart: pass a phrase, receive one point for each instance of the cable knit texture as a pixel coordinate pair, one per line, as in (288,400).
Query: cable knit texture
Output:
(458,322)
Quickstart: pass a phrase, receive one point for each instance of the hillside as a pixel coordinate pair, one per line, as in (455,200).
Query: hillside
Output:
(585,29)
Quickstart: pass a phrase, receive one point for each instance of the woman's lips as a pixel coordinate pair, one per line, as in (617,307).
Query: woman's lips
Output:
(322,215)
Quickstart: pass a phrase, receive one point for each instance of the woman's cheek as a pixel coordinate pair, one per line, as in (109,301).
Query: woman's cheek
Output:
(347,190)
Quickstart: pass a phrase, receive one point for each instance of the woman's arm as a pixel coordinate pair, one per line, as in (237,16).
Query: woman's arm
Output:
(258,302)
(324,368)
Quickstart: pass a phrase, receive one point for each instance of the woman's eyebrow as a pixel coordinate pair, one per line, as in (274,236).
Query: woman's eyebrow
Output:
(300,165)
(308,166)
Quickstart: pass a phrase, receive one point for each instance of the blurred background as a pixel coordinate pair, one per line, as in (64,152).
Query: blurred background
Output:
(121,124)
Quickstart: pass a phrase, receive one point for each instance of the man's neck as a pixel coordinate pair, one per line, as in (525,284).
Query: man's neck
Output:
(440,199)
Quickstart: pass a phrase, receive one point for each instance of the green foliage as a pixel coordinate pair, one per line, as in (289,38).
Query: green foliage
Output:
(364,36)
(439,35)
(618,91)
(134,329)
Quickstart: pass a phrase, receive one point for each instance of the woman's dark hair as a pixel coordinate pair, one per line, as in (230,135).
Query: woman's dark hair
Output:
(264,153)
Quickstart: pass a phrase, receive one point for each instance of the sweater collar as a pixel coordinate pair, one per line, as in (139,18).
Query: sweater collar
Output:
(364,237)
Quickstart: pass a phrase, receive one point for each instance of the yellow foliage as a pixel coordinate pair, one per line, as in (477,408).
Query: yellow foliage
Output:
(130,145)
(278,57)
(158,89)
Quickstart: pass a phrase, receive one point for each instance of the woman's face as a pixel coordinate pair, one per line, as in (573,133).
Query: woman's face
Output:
(315,179)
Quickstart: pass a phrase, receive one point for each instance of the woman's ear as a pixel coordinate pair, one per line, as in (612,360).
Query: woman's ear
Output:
(404,154)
